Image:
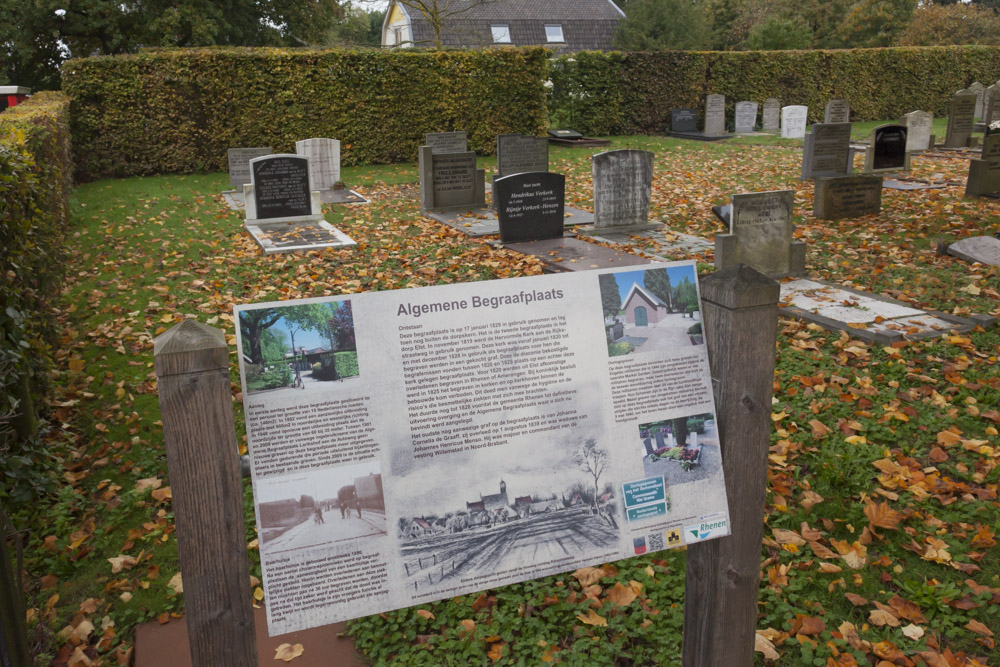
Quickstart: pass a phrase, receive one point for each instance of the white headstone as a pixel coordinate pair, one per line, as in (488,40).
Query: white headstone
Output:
(324,161)
(793,121)
(918,125)
(837,111)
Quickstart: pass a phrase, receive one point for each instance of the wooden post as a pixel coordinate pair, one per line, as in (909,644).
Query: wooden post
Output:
(192,369)
(13,634)
(740,310)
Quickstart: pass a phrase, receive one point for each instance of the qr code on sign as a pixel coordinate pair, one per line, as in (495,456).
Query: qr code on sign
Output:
(655,541)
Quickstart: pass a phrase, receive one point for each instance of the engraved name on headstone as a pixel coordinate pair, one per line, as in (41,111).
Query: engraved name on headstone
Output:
(827,151)
(837,111)
(771,115)
(760,234)
(745,116)
(623,181)
(887,149)
(960,120)
(454,176)
(530,206)
(918,130)
(793,121)
(447,142)
(239,164)
(984,172)
(683,120)
(280,187)
(518,153)
(715,115)
(847,197)
(324,161)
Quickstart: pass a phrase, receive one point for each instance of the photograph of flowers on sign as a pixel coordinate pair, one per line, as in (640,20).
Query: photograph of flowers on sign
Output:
(684,449)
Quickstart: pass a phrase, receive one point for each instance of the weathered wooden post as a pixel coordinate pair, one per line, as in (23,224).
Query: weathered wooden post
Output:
(13,635)
(192,369)
(740,309)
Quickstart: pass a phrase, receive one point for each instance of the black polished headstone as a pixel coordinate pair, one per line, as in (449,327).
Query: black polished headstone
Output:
(683,120)
(889,147)
(530,206)
(281,187)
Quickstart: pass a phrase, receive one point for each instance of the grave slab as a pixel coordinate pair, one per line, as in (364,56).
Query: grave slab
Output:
(567,254)
(982,249)
(904,184)
(284,237)
(661,240)
(575,139)
(984,172)
(235,200)
(447,142)
(826,151)
(484,221)
(870,317)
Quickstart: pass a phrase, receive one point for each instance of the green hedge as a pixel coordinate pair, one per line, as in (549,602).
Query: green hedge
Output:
(633,93)
(35,180)
(177,111)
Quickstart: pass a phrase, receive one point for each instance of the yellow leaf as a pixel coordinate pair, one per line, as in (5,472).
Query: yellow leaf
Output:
(466,626)
(856,440)
(855,555)
(77,365)
(288,652)
(162,494)
(591,618)
(948,438)
(496,651)
(258,594)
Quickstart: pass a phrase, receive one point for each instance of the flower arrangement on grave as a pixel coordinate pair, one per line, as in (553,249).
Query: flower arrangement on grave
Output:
(689,458)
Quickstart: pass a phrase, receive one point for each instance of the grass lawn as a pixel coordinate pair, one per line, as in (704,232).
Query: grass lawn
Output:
(882,498)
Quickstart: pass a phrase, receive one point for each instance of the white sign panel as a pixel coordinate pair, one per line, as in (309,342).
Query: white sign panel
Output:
(419,444)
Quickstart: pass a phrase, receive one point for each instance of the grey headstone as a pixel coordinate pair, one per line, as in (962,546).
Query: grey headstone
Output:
(960,120)
(454,177)
(984,173)
(683,120)
(982,249)
(715,114)
(447,142)
(239,164)
(793,121)
(887,150)
(827,151)
(837,111)
(324,161)
(623,181)
(991,104)
(978,90)
(745,116)
(760,234)
(517,153)
(279,186)
(918,130)
(530,206)
(847,197)
(771,116)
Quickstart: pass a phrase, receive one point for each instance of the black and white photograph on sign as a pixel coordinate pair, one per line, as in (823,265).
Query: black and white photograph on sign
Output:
(650,311)
(317,507)
(521,505)
(683,449)
(301,347)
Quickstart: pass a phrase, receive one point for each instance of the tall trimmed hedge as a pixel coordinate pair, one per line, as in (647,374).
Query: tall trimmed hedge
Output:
(177,111)
(35,180)
(633,93)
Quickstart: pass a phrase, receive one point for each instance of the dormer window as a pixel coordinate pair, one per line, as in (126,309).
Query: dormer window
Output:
(554,34)
(501,34)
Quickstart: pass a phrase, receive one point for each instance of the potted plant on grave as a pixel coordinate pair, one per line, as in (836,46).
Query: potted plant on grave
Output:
(339,185)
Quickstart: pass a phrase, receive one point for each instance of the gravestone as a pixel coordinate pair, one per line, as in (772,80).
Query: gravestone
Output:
(793,121)
(918,130)
(715,115)
(847,197)
(982,249)
(623,181)
(518,153)
(530,206)
(771,115)
(984,172)
(575,139)
(450,181)
(683,121)
(960,120)
(279,191)
(760,235)
(978,90)
(887,150)
(991,104)
(565,134)
(745,117)
(837,111)
(324,161)
(447,142)
(827,151)
(239,164)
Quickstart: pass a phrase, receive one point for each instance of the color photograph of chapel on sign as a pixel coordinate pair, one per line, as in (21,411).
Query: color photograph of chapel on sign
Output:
(304,347)
(646,311)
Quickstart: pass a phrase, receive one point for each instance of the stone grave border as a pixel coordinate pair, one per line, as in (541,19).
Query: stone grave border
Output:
(962,324)
(258,231)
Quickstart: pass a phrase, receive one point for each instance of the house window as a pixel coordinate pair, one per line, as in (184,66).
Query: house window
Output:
(501,34)
(397,35)
(553,33)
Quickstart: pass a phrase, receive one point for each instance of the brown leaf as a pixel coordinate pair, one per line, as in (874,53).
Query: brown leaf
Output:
(907,609)
(423,613)
(122,562)
(620,595)
(856,599)
(762,644)
(783,536)
(978,628)
(589,575)
(288,652)
(162,494)
(882,515)
(880,618)
(938,455)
